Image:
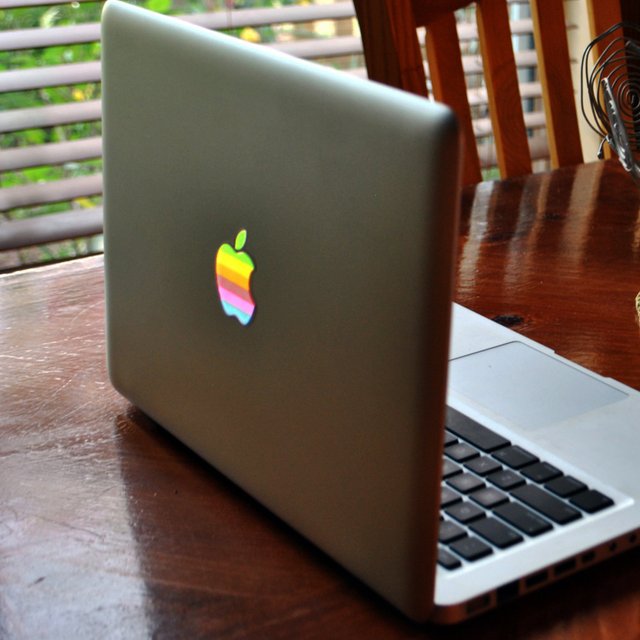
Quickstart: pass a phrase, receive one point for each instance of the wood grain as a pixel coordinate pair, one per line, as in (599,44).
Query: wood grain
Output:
(109,528)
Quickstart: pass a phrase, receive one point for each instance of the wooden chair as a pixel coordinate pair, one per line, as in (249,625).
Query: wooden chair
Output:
(393,56)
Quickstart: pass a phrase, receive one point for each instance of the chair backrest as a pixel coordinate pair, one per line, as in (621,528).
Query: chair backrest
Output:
(393,56)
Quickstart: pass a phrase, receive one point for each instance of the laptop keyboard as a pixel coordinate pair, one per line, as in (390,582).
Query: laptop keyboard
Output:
(496,494)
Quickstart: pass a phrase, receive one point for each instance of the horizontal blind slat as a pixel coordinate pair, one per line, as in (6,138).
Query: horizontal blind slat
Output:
(50,192)
(55,227)
(52,37)
(50,115)
(53,76)
(26,4)
(54,153)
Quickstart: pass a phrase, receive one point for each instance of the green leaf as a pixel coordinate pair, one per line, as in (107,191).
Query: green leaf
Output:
(162,6)
(241,239)
(49,18)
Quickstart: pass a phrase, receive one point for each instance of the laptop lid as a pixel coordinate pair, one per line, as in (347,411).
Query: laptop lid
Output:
(279,257)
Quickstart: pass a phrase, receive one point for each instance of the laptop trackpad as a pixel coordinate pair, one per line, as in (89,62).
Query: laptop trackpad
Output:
(527,386)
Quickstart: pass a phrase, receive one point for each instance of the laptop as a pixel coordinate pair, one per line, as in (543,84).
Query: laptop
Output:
(280,248)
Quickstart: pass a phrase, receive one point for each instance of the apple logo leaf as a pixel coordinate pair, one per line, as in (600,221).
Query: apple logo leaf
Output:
(241,239)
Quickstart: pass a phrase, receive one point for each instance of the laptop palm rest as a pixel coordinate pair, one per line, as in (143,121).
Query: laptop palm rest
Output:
(528,387)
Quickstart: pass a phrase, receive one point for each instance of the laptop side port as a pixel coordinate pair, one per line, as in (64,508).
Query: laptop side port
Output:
(564,567)
(507,592)
(536,579)
(478,604)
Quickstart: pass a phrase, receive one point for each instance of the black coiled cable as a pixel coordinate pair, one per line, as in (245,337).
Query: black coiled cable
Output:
(610,93)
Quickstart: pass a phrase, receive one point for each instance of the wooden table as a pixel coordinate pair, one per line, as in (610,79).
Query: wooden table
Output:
(109,528)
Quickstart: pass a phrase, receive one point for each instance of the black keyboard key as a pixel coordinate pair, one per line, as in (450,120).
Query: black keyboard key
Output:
(565,486)
(515,457)
(591,501)
(546,504)
(465,512)
(484,465)
(450,468)
(506,479)
(489,497)
(476,434)
(448,560)
(496,532)
(448,497)
(471,548)
(541,472)
(449,438)
(465,483)
(522,518)
(450,532)
(461,452)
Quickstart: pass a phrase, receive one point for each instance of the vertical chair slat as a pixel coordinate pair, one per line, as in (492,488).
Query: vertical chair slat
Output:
(554,68)
(449,86)
(501,77)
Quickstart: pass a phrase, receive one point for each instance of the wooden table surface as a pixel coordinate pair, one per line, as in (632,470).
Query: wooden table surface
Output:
(109,528)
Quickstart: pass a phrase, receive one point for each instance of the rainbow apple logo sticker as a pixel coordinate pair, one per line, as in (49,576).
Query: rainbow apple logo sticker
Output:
(233,275)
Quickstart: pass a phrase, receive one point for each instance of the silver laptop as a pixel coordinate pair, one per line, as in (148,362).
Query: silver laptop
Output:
(279,262)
